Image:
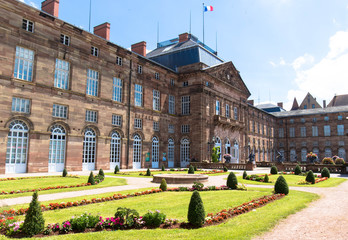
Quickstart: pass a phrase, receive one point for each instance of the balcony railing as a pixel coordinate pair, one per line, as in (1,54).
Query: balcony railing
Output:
(228,122)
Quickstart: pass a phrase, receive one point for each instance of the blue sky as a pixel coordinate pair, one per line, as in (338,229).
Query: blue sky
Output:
(282,48)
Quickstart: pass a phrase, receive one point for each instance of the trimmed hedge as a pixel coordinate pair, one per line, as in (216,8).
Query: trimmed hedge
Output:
(232,181)
(325,173)
(34,222)
(191,170)
(298,170)
(274,170)
(310,177)
(91,179)
(196,213)
(117,169)
(245,174)
(281,186)
(65,173)
(163,185)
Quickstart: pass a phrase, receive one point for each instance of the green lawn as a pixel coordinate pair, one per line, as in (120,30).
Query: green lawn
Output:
(31,183)
(136,173)
(292,180)
(175,205)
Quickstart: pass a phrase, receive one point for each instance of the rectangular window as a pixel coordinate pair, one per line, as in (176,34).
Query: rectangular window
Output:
(157,76)
(281,132)
(94,51)
(185,105)
(292,132)
(28,25)
(327,131)
(314,119)
(185,84)
(227,111)
(170,128)
(303,131)
(91,116)
(138,123)
(20,105)
(156,100)
(61,74)
(155,126)
(140,69)
(217,107)
(24,64)
(171,107)
(326,119)
(172,82)
(313,105)
(117,90)
(92,82)
(339,117)
(185,128)
(340,130)
(138,96)
(235,110)
(254,126)
(60,111)
(65,39)
(315,131)
(119,61)
(116,120)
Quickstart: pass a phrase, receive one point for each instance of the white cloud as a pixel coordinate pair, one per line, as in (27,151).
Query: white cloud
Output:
(33,5)
(281,62)
(23,1)
(327,77)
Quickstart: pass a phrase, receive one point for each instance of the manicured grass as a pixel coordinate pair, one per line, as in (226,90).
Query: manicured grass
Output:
(292,180)
(136,173)
(244,226)
(54,181)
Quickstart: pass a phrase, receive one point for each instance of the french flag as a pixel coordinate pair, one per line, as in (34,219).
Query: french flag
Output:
(208,8)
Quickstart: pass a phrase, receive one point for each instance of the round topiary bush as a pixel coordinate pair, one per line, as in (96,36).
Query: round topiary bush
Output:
(266,178)
(327,160)
(148,172)
(163,168)
(117,169)
(196,214)
(65,173)
(163,185)
(297,170)
(245,174)
(232,181)
(274,170)
(191,170)
(34,222)
(310,177)
(225,169)
(91,179)
(339,161)
(281,186)
(325,172)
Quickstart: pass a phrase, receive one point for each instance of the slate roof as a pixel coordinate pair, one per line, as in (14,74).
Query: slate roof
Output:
(311,111)
(339,100)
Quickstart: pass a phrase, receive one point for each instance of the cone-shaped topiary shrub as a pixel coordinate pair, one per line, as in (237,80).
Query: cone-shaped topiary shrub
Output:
(65,173)
(325,172)
(163,185)
(117,169)
(195,168)
(266,178)
(91,179)
(163,168)
(191,170)
(34,222)
(274,170)
(225,169)
(101,173)
(310,177)
(297,170)
(281,186)
(196,212)
(245,174)
(148,172)
(232,181)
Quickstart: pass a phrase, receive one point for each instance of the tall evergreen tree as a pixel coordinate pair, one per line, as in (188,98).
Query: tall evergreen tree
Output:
(34,222)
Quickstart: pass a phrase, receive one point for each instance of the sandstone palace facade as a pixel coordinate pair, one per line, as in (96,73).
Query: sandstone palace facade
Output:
(72,99)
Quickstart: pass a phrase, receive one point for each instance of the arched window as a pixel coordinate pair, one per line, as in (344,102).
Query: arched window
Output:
(89,150)
(342,153)
(115,150)
(328,152)
(56,157)
(235,152)
(303,154)
(17,145)
(218,147)
(155,152)
(170,152)
(137,151)
(293,157)
(185,152)
(227,146)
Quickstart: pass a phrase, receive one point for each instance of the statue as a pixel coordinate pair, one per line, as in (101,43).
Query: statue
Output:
(280,157)
(251,157)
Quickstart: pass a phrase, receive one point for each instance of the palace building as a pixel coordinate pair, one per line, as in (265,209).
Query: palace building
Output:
(73,99)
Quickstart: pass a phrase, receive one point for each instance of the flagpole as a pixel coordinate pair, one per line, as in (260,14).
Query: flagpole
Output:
(203,23)
(190,21)
(90,9)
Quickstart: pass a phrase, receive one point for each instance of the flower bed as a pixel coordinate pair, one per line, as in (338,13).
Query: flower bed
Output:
(21,178)
(317,180)
(257,178)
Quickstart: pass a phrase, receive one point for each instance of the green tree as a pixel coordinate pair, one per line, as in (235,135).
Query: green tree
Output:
(325,172)
(101,173)
(266,178)
(274,170)
(310,177)
(245,174)
(163,168)
(65,173)
(91,179)
(214,155)
(163,185)
(191,170)
(117,169)
(34,222)
(281,186)
(232,181)
(298,170)
(196,214)
(148,172)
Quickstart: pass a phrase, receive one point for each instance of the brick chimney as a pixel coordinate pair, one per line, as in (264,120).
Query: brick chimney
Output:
(139,48)
(103,30)
(51,7)
(280,104)
(251,102)
(184,37)
(324,103)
